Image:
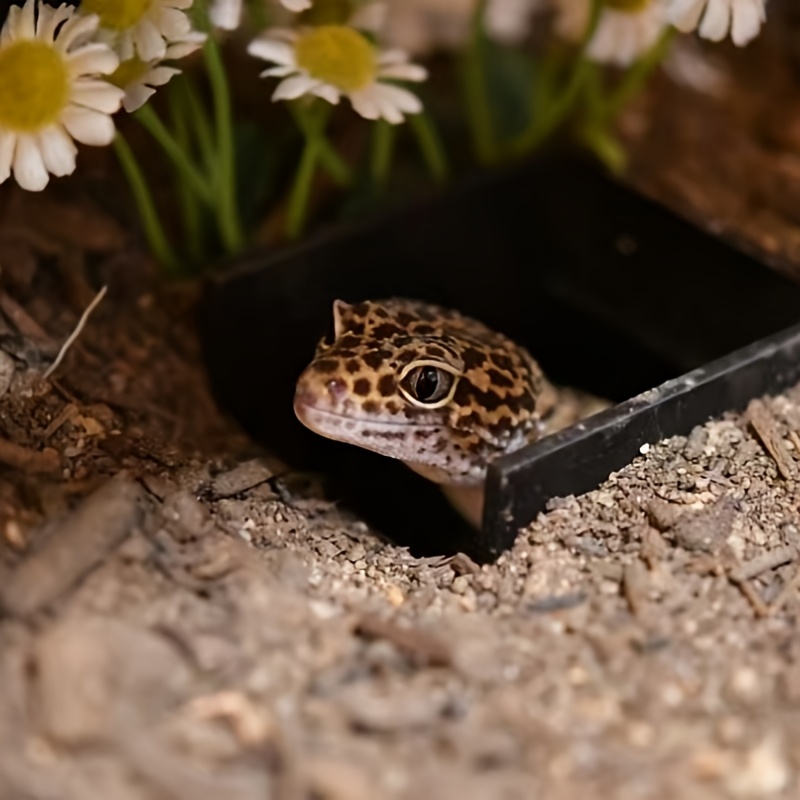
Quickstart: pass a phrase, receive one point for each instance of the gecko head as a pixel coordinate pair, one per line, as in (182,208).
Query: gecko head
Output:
(398,378)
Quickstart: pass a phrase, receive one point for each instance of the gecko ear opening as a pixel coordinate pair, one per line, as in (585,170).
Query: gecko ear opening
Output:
(340,314)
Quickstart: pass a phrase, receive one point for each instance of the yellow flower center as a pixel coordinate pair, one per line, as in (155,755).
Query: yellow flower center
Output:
(128,72)
(117,15)
(338,55)
(328,12)
(34,85)
(627,6)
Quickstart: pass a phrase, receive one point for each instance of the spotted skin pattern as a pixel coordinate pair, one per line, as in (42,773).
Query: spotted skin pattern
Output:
(423,384)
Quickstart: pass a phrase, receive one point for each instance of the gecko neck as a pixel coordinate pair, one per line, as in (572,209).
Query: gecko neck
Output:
(466,498)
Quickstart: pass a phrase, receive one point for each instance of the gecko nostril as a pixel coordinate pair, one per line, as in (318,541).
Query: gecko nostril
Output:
(337,389)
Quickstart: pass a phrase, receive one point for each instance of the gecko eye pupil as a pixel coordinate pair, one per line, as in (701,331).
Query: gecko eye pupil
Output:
(430,384)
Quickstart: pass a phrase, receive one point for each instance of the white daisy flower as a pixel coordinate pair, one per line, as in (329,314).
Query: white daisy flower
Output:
(140,28)
(227,14)
(138,78)
(51,92)
(626,29)
(716,18)
(329,61)
(423,26)
(365,15)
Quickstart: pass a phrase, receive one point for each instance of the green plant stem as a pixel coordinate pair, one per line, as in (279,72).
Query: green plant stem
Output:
(384,135)
(542,126)
(635,78)
(311,119)
(147,116)
(593,93)
(191,211)
(605,146)
(225,177)
(430,144)
(301,189)
(151,224)
(312,127)
(201,128)
(476,91)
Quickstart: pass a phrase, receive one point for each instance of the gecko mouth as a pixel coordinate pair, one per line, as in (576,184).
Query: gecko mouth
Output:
(394,439)
(305,409)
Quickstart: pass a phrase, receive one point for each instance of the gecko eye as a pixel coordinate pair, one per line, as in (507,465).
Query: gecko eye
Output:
(427,385)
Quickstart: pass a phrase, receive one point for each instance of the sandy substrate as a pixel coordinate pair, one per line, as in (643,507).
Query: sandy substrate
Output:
(239,637)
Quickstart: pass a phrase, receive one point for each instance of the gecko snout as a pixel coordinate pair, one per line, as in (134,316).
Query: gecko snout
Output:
(322,395)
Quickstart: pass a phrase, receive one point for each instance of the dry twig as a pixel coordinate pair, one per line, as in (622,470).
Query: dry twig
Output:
(76,333)
(764,425)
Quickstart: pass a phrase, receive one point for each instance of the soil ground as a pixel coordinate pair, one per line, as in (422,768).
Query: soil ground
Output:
(182,618)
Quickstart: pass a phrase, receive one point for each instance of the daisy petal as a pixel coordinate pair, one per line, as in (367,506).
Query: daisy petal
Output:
(270,50)
(49,19)
(364,103)
(327,92)
(296,5)
(226,14)
(8,143)
(29,170)
(75,31)
(25,27)
(158,76)
(716,21)
(92,59)
(393,56)
(748,16)
(294,87)
(400,98)
(136,96)
(404,72)
(685,14)
(388,111)
(87,126)
(178,50)
(9,31)
(173,24)
(149,42)
(277,72)
(58,150)
(98,95)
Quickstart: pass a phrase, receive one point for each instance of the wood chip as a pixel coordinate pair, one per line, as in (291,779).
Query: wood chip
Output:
(663,515)
(789,588)
(23,321)
(462,564)
(77,545)
(766,428)
(764,563)
(635,587)
(66,414)
(423,648)
(242,477)
(654,546)
(795,440)
(26,460)
(753,597)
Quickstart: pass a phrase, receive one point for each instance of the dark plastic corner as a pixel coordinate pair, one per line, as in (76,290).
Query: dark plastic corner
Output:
(579,458)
